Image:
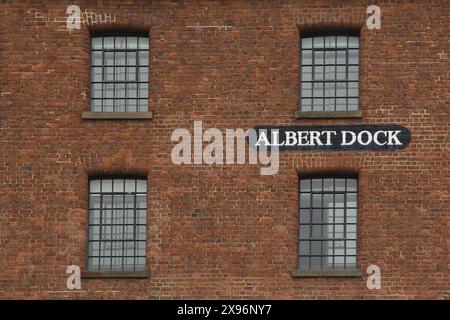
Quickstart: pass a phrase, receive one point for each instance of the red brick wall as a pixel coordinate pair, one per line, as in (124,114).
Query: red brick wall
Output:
(220,231)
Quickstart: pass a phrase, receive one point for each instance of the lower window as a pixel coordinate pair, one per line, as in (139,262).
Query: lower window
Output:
(117,224)
(328,220)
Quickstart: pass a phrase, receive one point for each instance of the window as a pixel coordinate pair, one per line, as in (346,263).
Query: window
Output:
(329,72)
(119,74)
(327,228)
(117,224)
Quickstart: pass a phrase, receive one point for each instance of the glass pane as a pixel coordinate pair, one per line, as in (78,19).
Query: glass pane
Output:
(351,215)
(306,89)
(120,58)
(96,105)
(341,89)
(330,57)
(330,42)
(339,200)
(353,73)
(305,216)
(318,42)
(108,105)
(341,57)
(143,74)
(143,90)
(143,58)
(118,185)
(353,56)
(341,104)
(330,73)
(305,200)
(131,105)
(97,90)
(319,57)
(328,200)
(304,232)
(306,105)
(96,43)
(96,74)
(132,42)
(108,43)
(329,89)
(306,73)
(131,58)
(109,58)
(94,201)
(307,43)
(306,57)
(143,43)
(316,184)
(305,185)
(109,74)
(141,201)
(353,89)
(119,90)
(353,42)
(120,73)
(318,90)
(340,73)
(106,185)
(130,185)
(352,184)
(97,58)
(131,73)
(120,43)
(317,201)
(109,90)
(353,104)
(316,215)
(131,90)
(341,42)
(318,72)
(143,105)
(141,186)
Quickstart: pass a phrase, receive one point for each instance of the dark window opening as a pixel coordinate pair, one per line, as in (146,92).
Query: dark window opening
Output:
(117,224)
(329,72)
(119,73)
(328,221)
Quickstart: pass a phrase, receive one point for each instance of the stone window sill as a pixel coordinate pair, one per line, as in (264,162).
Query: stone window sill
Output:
(115,274)
(89,115)
(327,114)
(337,273)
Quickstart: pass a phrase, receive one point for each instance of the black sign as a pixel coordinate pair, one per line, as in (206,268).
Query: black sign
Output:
(332,138)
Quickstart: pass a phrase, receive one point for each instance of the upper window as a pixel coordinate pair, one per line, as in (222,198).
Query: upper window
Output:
(119,73)
(329,72)
(117,224)
(327,228)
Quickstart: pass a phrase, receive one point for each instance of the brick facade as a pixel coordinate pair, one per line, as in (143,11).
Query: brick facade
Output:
(221,231)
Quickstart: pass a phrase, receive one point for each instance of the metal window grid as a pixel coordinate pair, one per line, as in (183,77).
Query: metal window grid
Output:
(119,73)
(322,87)
(327,223)
(117,224)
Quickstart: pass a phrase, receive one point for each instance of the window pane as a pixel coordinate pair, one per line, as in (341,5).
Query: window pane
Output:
(132,42)
(143,58)
(143,43)
(97,57)
(318,42)
(319,57)
(306,57)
